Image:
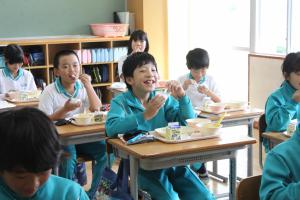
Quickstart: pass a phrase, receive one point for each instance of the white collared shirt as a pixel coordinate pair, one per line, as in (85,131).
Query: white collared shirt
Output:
(23,83)
(51,100)
(196,97)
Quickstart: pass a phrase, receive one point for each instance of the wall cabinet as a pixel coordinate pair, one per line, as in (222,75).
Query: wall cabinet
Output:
(98,57)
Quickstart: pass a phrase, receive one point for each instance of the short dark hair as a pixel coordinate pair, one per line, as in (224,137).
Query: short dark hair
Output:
(29,140)
(134,61)
(197,58)
(61,53)
(291,64)
(13,54)
(135,36)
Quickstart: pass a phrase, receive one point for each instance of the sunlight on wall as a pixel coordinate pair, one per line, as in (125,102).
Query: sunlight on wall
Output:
(218,29)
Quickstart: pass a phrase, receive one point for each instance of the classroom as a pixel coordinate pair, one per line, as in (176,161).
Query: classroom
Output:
(149,99)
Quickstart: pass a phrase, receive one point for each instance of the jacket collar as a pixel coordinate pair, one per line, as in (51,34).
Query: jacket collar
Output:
(132,101)
(288,87)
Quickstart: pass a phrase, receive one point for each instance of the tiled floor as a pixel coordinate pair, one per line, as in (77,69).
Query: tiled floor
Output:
(216,186)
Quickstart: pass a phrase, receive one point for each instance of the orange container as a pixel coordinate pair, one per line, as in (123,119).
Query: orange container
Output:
(109,29)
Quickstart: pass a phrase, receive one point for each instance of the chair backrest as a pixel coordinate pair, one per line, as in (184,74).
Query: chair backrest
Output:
(262,125)
(248,188)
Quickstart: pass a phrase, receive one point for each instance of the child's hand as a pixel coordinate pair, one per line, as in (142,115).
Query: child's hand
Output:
(11,95)
(153,106)
(69,105)
(187,83)
(204,90)
(296,96)
(85,79)
(176,89)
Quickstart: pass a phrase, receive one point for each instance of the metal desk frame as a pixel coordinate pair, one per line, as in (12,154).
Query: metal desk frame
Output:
(238,122)
(179,160)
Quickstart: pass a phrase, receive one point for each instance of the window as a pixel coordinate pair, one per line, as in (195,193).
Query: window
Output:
(223,30)
(272,27)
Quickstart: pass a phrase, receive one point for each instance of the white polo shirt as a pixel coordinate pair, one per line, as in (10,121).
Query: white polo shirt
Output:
(54,97)
(23,82)
(120,64)
(196,97)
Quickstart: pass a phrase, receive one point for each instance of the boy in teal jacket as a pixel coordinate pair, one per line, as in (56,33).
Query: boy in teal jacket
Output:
(30,149)
(281,174)
(282,105)
(140,108)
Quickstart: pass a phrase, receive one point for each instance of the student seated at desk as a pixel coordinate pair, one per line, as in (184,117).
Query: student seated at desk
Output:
(13,77)
(138,42)
(72,93)
(281,174)
(29,150)
(200,88)
(282,106)
(140,108)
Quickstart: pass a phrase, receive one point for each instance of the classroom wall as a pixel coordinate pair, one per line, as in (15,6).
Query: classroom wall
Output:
(21,18)
(152,17)
(264,77)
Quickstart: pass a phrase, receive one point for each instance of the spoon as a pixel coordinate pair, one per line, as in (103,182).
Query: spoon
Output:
(218,123)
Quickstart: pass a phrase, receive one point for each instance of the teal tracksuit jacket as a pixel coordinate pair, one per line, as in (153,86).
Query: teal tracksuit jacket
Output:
(281,174)
(281,109)
(126,115)
(54,188)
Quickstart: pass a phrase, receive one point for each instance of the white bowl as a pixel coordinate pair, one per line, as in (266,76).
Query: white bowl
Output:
(83,118)
(193,122)
(216,107)
(236,104)
(209,129)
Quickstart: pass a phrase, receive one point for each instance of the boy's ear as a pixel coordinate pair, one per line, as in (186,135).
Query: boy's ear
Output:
(56,72)
(129,80)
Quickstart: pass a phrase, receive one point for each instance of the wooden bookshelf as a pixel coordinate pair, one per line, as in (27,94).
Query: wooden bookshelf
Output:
(49,46)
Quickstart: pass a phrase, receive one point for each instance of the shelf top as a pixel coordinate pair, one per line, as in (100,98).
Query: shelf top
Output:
(59,39)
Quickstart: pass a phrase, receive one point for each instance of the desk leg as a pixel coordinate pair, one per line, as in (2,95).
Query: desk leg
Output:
(134,177)
(250,149)
(232,177)
(214,173)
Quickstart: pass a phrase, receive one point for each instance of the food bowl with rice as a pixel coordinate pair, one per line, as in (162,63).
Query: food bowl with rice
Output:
(84,118)
(209,128)
(216,107)
(236,105)
(199,121)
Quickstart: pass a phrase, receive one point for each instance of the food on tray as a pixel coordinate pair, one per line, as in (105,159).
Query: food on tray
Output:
(236,105)
(194,121)
(100,116)
(175,132)
(216,107)
(209,128)
(83,118)
(23,95)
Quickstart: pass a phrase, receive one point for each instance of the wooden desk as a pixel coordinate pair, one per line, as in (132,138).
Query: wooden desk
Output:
(158,155)
(71,134)
(238,118)
(275,137)
(27,104)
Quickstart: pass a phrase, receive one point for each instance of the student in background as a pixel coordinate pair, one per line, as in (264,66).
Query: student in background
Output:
(29,150)
(138,42)
(282,105)
(72,93)
(281,175)
(142,109)
(13,77)
(197,83)
(200,88)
